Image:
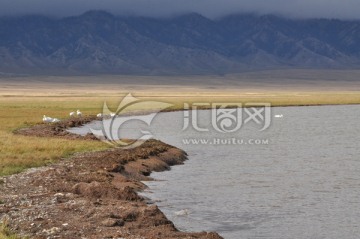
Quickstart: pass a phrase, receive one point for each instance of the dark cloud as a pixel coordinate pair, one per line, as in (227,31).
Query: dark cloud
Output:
(210,8)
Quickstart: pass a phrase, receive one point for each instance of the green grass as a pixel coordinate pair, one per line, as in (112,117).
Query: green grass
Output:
(6,233)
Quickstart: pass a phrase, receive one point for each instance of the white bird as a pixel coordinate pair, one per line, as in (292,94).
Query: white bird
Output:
(112,114)
(78,113)
(72,114)
(183,212)
(99,115)
(55,120)
(47,119)
(279,116)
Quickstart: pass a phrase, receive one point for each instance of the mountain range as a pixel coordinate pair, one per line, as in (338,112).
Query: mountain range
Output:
(98,42)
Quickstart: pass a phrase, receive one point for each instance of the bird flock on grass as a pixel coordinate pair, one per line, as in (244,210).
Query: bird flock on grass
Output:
(72,114)
(47,119)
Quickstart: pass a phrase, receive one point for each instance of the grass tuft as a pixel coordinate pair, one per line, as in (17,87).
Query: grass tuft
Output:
(6,232)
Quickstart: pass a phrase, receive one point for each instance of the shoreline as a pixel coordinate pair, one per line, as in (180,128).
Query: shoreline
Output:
(112,174)
(67,199)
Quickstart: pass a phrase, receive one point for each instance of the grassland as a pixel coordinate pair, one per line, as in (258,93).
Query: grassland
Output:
(23,104)
(20,152)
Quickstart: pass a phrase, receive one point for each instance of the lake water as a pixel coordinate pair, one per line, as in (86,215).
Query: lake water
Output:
(302,179)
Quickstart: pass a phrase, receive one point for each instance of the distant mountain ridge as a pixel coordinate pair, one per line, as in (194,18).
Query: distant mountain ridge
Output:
(99,42)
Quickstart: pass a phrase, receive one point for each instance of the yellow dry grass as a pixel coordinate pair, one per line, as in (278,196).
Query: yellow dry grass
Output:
(20,152)
(283,98)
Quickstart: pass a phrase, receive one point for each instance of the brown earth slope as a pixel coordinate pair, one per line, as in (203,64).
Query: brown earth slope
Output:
(90,195)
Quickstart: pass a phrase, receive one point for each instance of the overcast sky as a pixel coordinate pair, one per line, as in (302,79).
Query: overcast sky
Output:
(211,8)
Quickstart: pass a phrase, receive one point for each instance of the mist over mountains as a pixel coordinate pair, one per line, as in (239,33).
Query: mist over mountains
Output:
(100,43)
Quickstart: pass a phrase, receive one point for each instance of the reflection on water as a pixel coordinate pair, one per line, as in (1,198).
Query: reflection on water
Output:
(305,183)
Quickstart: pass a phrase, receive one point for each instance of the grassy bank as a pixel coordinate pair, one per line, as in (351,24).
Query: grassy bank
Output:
(19,152)
(276,99)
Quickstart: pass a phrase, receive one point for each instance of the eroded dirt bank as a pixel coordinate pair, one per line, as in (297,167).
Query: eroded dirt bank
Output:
(91,195)
(59,129)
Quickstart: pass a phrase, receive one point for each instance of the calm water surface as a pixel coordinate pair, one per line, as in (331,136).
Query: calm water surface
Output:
(305,183)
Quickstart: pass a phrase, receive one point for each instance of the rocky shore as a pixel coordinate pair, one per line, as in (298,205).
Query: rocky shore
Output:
(90,195)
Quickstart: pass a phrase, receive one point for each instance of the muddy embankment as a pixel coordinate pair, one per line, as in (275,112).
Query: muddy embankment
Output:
(90,195)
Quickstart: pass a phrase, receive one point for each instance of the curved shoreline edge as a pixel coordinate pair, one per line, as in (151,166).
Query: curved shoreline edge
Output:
(92,194)
(123,174)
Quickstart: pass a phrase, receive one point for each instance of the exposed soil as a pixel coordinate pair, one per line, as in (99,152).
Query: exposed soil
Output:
(59,129)
(90,195)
